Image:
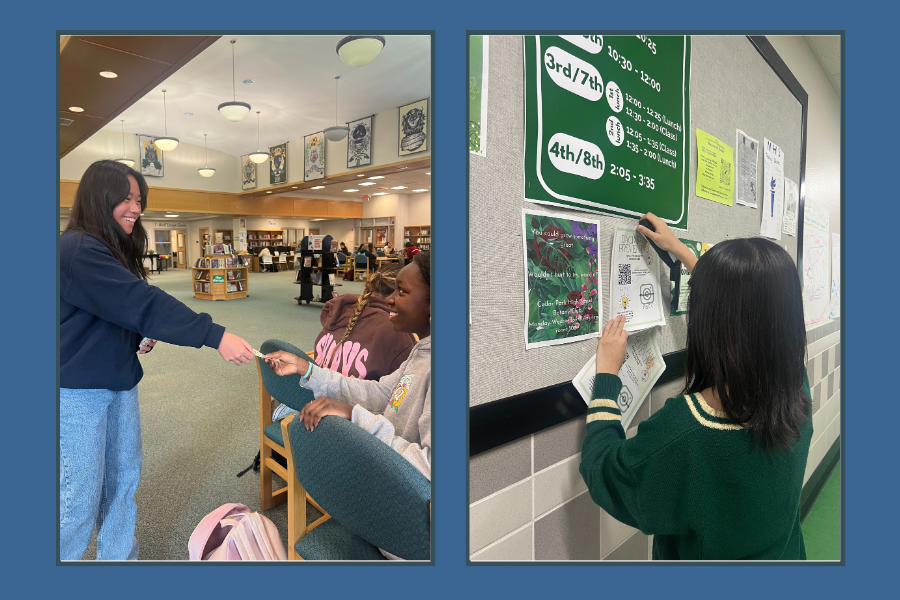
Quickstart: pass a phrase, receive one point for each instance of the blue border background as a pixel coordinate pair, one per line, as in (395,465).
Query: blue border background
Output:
(29,302)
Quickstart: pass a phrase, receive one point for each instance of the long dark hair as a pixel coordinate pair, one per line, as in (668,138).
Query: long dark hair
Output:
(104,186)
(746,337)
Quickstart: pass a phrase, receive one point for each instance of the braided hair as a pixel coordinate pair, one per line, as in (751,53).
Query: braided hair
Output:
(383,282)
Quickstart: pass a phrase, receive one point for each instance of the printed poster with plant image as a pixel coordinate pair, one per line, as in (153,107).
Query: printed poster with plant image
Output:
(562,283)
(314,156)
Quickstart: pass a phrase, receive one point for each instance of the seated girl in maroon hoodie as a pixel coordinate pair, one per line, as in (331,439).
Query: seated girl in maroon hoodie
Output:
(357,339)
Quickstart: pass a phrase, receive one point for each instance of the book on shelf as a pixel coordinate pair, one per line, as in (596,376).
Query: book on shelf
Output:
(317,278)
(229,262)
(219,248)
(240,286)
(299,277)
(307,261)
(334,246)
(331,279)
(205,288)
(198,287)
(198,274)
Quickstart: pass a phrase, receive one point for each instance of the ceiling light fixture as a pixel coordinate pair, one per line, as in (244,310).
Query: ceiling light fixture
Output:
(189,114)
(361,175)
(420,190)
(168,215)
(109,74)
(377,177)
(428,173)
(206,171)
(165,143)
(359,50)
(259,156)
(317,187)
(380,194)
(124,160)
(234,110)
(338,132)
(76,109)
(399,187)
(248,82)
(367,183)
(351,190)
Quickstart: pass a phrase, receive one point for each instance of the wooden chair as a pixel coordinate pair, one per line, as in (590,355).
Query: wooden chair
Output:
(341,264)
(273,438)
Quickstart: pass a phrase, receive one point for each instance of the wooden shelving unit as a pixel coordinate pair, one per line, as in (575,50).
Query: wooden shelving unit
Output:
(262,237)
(220,282)
(420,235)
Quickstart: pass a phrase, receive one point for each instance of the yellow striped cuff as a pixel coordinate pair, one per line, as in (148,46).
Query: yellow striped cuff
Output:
(603,416)
(602,403)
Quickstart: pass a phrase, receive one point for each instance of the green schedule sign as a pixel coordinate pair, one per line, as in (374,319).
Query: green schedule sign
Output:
(218,279)
(606,124)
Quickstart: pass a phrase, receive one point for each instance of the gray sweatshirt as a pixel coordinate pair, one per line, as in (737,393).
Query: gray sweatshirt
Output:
(396,409)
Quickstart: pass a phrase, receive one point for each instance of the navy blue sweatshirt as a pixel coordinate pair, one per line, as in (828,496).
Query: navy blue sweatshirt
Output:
(105,311)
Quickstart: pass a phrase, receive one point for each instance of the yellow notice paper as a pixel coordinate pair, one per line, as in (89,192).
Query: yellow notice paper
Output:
(715,169)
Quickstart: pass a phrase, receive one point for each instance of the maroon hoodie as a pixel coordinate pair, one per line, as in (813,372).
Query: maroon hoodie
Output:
(372,350)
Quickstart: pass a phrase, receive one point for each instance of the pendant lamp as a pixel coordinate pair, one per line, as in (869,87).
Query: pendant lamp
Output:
(206,171)
(234,110)
(359,50)
(259,156)
(338,132)
(124,160)
(165,143)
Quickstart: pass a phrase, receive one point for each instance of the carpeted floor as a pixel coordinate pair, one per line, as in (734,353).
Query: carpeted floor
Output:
(199,414)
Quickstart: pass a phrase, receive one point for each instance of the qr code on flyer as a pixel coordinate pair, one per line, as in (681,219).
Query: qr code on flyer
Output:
(624,274)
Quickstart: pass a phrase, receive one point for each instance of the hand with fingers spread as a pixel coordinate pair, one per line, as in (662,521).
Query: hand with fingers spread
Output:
(285,363)
(313,412)
(611,347)
(235,349)
(666,240)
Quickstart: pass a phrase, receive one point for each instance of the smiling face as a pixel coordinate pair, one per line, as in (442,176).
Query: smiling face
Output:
(128,210)
(411,303)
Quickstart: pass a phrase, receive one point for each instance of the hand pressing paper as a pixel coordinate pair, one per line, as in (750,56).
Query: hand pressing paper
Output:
(642,368)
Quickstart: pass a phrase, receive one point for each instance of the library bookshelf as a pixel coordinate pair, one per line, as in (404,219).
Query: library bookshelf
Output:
(220,277)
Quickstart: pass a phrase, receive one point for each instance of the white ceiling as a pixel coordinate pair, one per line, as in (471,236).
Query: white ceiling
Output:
(827,49)
(294,88)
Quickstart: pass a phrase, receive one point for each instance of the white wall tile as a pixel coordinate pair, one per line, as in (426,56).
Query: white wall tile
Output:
(557,484)
(518,546)
(495,516)
(833,408)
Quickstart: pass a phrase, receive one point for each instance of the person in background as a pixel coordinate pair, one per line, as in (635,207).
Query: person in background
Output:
(264,251)
(397,407)
(714,474)
(369,251)
(344,249)
(411,250)
(106,307)
(389,249)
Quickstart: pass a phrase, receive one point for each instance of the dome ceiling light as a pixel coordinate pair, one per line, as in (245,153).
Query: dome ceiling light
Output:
(338,132)
(206,171)
(234,110)
(259,156)
(359,50)
(165,143)
(124,160)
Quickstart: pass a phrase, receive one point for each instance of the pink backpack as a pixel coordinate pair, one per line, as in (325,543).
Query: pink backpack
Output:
(232,532)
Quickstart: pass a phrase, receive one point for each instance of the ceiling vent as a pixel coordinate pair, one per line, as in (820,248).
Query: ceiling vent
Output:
(65,122)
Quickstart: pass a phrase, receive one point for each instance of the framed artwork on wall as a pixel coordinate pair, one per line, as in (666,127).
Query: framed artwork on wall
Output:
(278,164)
(151,157)
(248,173)
(413,127)
(359,142)
(314,156)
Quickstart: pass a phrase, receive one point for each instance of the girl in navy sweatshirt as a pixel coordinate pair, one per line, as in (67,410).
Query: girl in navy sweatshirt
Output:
(106,307)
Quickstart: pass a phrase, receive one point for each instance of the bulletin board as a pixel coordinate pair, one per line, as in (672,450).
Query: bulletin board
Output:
(736,82)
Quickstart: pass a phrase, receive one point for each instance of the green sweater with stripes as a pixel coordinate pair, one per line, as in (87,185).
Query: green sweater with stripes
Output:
(694,480)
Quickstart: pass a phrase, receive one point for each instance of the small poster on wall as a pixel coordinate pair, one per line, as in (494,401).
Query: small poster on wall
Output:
(816,262)
(151,157)
(414,127)
(248,173)
(278,164)
(359,143)
(562,279)
(314,156)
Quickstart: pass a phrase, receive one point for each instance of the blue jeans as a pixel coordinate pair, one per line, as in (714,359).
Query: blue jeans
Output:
(100,467)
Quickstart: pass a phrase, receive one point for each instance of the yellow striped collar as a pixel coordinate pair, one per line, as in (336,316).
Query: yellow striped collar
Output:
(710,411)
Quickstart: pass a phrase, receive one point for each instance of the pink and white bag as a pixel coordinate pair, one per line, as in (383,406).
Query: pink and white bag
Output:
(232,532)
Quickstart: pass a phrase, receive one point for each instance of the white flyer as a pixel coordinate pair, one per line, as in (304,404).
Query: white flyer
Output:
(641,370)
(634,289)
(773,191)
(747,163)
(791,202)
(835,312)
(816,272)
